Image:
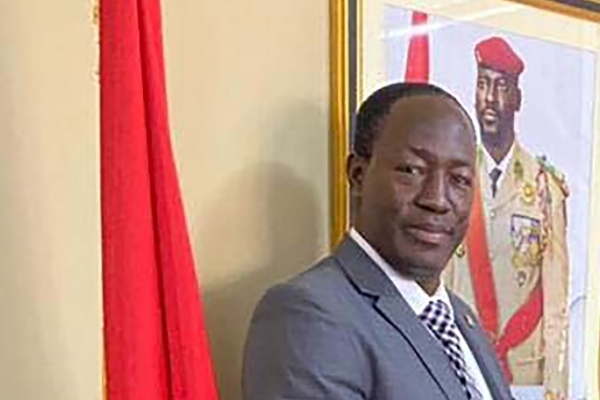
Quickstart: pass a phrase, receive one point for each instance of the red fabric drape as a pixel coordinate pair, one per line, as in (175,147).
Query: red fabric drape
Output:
(156,346)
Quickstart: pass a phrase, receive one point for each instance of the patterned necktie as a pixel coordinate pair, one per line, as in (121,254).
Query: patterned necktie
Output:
(494,176)
(438,319)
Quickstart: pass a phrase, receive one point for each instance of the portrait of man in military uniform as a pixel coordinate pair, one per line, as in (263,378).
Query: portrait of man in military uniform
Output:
(525,263)
(513,267)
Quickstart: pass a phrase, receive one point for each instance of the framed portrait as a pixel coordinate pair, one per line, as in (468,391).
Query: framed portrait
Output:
(528,74)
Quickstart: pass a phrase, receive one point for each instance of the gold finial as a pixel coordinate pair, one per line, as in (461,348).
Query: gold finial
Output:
(96,13)
(96,24)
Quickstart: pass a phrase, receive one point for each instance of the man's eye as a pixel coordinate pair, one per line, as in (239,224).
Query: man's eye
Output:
(462,180)
(502,85)
(410,169)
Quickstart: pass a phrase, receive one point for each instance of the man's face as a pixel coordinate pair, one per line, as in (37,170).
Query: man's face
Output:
(497,99)
(415,192)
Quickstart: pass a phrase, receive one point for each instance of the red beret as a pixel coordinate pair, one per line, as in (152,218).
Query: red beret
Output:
(495,53)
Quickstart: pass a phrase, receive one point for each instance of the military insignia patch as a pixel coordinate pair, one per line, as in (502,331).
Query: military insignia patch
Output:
(526,237)
(528,194)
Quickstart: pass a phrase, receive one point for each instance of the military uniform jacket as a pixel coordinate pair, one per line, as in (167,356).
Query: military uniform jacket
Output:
(525,228)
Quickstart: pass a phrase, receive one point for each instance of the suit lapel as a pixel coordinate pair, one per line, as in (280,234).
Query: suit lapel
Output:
(398,313)
(483,352)
(371,281)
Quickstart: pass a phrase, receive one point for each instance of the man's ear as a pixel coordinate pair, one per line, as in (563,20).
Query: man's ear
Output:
(356,167)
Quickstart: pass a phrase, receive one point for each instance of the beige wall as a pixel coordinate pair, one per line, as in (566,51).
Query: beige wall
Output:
(248,83)
(49,227)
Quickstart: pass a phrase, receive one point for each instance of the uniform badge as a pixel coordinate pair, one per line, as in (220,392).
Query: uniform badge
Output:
(518,170)
(528,194)
(521,278)
(470,321)
(460,251)
(526,237)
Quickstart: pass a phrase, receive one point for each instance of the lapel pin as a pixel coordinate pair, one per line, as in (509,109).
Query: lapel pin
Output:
(470,321)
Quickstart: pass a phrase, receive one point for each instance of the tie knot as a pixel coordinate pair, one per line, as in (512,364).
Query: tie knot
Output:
(495,174)
(437,316)
(437,310)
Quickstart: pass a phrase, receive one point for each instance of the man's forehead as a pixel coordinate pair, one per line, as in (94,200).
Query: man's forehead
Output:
(483,70)
(425,108)
(435,113)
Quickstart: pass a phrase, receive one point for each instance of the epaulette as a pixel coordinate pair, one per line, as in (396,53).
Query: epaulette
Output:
(557,176)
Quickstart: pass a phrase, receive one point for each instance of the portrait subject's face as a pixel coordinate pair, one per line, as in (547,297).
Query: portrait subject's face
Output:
(415,191)
(497,99)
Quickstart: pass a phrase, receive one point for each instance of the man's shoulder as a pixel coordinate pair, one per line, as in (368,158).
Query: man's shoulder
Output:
(541,164)
(320,285)
(556,179)
(320,278)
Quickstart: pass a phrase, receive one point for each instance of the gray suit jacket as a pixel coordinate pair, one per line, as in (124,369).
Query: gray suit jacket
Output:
(341,331)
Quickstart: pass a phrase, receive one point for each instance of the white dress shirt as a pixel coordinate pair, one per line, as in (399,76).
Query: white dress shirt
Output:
(490,163)
(418,299)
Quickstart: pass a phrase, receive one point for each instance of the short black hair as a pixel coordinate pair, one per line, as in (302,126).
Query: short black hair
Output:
(376,107)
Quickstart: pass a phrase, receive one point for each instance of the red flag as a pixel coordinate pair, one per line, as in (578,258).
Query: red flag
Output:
(156,346)
(417,62)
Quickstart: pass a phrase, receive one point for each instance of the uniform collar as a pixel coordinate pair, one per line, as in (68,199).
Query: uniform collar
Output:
(490,163)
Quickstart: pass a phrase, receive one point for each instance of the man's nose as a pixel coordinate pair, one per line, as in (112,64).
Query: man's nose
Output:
(432,195)
(490,96)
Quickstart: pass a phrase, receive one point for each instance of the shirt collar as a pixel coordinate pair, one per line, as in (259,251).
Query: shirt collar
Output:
(490,163)
(414,295)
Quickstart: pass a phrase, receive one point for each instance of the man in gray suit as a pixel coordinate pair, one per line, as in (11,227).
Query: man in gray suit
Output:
(373,321)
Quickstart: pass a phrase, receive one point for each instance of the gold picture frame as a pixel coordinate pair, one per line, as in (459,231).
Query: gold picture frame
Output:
(347,85)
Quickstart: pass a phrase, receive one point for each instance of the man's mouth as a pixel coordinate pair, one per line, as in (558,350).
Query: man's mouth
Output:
(489,115)
(432,234)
